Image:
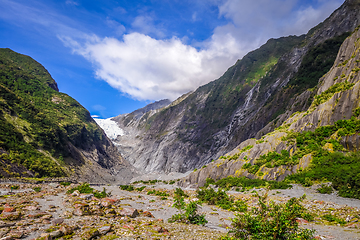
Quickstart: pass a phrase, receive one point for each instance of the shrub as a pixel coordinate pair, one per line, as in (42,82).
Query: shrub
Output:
(271,221)
(129,188)
(65,184)
(325,189)
(221,199)
(37,189)
(85,188)
(180,193)
(332,218)
(188,212)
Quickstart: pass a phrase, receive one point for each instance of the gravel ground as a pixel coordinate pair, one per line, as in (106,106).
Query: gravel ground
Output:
(52,204)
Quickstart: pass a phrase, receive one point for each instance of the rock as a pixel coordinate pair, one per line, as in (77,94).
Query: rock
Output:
(57,221)
(160,229)
(10,216)
(110,211)
(78,212)
(66,230)
(7,238)
(91,233)
(45,221)
(147,214)
(107,202)
(76,193)
(45,236)
(16,234)
(56,234)
(87,196)
(46,217)
(130,212)
(54,185)
(37,214)
(104,230)
(301,220)
(4,224)
(31,208)
(8,208)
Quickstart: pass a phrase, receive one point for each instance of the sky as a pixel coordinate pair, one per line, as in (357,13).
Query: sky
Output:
(114,57)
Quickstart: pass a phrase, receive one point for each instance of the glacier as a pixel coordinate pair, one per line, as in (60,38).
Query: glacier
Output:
(112,130)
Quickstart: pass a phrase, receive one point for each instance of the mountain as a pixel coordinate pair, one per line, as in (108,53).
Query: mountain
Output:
(45,133)
(251,99)
(318,144)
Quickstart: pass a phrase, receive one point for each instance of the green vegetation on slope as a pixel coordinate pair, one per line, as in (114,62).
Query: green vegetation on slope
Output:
(316,63)
(35,116)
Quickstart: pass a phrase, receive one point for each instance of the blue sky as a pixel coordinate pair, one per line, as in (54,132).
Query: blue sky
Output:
(117,56)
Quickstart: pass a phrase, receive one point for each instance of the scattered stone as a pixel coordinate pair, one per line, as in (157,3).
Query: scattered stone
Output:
(10,216)
(31,208)
(87,196)
(147,214)
(66,230)
(57,221)
(54,185)
(104,230)
(76,193)
(5,224)
(16,234)
(91,233)
(78,212)
(130,212)
(56,234)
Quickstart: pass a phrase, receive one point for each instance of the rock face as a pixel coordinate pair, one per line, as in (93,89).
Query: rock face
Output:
(252,98)
(337,98)
(45,133)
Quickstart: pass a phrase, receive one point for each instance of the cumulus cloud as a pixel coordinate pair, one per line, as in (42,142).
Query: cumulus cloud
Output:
(147,68)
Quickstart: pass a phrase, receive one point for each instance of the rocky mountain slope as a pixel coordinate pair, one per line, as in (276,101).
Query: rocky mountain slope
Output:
(248,101)
(45,133)
(313,139)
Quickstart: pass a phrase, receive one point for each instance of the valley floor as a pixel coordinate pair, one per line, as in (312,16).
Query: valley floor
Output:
(52,213)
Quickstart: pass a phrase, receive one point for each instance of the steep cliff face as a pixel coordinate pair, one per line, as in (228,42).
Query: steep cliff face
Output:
(47,133)
(330,124)
(249,100)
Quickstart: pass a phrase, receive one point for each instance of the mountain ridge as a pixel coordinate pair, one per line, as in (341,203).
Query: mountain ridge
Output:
(45,133)
(248,101)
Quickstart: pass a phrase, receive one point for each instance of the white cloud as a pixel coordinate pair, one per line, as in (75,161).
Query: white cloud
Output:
(146,68)
(150,69)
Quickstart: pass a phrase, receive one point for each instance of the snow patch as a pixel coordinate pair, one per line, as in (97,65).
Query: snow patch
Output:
(110,127)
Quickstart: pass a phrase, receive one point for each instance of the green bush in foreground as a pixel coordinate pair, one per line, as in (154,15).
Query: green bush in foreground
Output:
(271,221)
(188,212)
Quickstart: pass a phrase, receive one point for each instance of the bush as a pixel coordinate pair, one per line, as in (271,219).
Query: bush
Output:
(325,189)
(188,212)
(332,218)
(180,193)
(85,188)
(221,199)
(244,182)
(65,184)
(129,188)
(271,221)
(37,189)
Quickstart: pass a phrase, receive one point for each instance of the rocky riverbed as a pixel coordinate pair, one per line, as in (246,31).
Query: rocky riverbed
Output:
(47,211)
